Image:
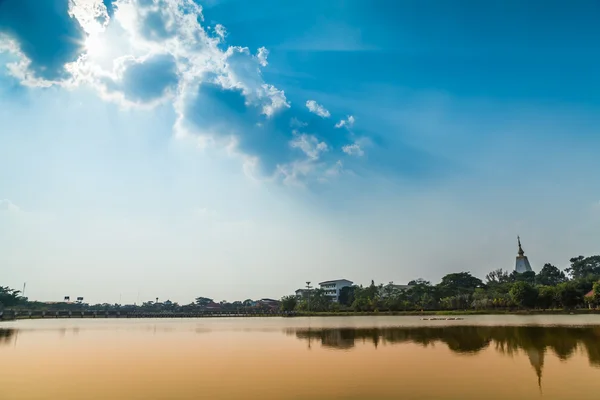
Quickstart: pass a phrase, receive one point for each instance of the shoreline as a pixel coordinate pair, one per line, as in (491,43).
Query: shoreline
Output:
(450,313)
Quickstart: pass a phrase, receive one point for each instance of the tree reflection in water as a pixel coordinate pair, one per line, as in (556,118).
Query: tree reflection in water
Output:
(7,335)
(533,340)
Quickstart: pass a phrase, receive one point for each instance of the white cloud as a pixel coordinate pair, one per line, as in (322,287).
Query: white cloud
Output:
(309,144)
(296,123)
(318,109)
(138,35)
(8,206)
(91,15)
(353,150)
(220,31)
(262,55)
(348,123)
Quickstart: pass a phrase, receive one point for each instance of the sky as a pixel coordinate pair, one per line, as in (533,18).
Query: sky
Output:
(234,149)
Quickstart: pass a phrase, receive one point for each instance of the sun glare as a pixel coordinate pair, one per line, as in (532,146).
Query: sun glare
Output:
(95,45)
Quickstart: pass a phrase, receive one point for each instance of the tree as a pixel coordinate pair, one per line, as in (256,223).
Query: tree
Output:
(203,301)
(584,266)
(596,291)
(546,297)
(550,276)
(568,295)
(497,276)
(523,294)
(459,283)
(10,297)
(346,297)
(288,303)
(527,276)
(419,281)
(319,301)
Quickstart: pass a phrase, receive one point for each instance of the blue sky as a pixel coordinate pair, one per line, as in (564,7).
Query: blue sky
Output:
(236,149)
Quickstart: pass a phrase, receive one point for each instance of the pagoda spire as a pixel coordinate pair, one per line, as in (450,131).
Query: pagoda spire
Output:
(521,252)
(522,263)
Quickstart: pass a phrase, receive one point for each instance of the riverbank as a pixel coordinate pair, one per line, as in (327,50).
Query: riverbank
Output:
(11,315)
(447,313)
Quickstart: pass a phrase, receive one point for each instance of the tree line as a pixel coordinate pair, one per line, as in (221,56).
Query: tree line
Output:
(550,288)
(12,298)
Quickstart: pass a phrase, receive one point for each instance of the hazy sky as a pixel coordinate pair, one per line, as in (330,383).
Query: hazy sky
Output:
(236,149)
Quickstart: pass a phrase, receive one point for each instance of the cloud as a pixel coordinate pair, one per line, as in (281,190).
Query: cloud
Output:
(296,123)
(140,53)
(144,80)
(8,206)
(353,150)
(220,31)
(309,144)
(47,35)
(262,55)
(348,123)
(318,109)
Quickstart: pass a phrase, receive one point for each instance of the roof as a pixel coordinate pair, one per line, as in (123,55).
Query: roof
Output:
(265,299)
(401,286)
(590,294)
(335,281)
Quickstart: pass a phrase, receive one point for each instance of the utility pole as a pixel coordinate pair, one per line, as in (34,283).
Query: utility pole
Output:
(308,287)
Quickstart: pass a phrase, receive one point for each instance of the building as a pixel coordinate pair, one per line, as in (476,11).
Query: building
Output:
(522,263)
(302,294)
(332,288)
(268,303)
(391,287)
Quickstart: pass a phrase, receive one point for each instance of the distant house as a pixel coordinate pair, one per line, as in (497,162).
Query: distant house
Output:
(332,288)
(391,286)
(213,307)
(589,297)
(272,303)
(302,293)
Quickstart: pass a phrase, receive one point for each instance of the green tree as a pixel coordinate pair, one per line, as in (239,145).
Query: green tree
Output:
(10,297)
(288,303)
(203,301)
(317,300)
(583,266)
(346,297)
(497,277)
(568,295)
(550,276)
(527,276)
(523,294)
(458,283)
(596,292)
(546,297)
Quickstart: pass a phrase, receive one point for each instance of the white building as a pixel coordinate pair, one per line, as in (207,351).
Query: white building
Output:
(332,288)
(391,287)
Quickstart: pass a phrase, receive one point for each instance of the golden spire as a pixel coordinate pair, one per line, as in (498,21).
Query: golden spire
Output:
(521,252)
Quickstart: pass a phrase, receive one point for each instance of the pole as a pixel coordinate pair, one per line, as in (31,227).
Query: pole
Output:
(308,287)
(23,292)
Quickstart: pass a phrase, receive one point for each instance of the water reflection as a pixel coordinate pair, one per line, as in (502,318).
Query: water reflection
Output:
(534,341)
(7,336)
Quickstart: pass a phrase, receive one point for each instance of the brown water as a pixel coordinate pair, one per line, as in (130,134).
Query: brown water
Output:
(489,357)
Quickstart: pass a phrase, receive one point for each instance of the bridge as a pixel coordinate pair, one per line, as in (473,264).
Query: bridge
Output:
(38,314)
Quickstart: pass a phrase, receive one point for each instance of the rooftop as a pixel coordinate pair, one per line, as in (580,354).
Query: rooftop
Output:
(334,281)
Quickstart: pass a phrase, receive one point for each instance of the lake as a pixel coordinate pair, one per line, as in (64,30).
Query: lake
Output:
(491,357)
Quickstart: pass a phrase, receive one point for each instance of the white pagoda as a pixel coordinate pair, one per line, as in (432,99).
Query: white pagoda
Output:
(522,263)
